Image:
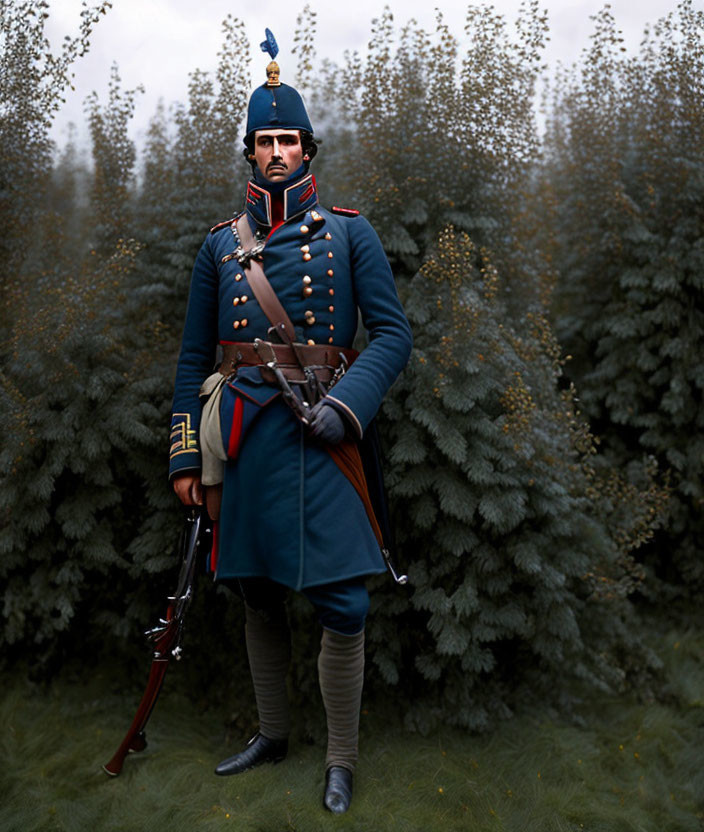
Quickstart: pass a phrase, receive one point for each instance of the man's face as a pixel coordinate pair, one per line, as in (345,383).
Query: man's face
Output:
(278,153)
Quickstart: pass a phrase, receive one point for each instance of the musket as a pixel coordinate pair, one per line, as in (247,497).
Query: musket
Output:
(166,635)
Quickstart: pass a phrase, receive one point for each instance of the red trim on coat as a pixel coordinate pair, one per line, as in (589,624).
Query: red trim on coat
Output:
(234,443)
(309,191)
(214,550)
(277,213)
(223,224)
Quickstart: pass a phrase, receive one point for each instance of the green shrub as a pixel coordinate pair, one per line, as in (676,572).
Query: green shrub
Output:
(625,157)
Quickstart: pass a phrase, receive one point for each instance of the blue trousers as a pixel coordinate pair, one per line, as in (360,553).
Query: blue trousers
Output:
(341,607)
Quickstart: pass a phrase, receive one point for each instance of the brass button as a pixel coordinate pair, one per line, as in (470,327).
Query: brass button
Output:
(307,279)
(310,321)
(330,255)
(331,291)
(236,324)
(238,276)
(307,256)
(328,236)
(235,301)
(315,215)
(330,340)
(331,327)
(307,291)
(304,229)
(244,322)
(305,248)
(310,342)
(244,298)
(308,313)
(330,272)
(331,308)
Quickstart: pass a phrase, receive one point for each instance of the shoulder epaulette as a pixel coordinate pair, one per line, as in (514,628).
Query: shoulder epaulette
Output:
(223,224)
(345,212)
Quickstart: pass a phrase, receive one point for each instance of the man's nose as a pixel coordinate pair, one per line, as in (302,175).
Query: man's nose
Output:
(276,150)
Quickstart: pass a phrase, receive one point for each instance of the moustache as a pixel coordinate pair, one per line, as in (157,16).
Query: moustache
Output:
(276,163)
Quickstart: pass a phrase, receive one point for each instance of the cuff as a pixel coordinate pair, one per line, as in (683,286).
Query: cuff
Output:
(175,473)
(184,453)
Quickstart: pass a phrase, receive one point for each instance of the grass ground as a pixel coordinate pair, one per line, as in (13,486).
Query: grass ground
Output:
(627,766)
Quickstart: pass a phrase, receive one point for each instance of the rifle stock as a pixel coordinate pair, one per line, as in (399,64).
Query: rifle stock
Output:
(166,635)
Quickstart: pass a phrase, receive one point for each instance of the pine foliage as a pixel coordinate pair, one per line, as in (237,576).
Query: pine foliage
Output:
(440,136)
(33,79)
(192,177)
(626,162)
(114,156)
(69,445)
(511,541)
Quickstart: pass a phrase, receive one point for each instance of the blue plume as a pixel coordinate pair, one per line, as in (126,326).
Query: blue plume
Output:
(270,45)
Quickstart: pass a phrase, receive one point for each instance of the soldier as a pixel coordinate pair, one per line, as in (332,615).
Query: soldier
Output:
(276,444)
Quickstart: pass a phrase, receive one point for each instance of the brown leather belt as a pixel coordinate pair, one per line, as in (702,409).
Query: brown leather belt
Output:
(322,359)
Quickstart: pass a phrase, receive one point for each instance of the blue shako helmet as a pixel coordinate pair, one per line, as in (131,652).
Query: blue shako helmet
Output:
(275,105)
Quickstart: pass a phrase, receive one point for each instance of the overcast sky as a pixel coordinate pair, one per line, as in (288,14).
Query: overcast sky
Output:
(158,42)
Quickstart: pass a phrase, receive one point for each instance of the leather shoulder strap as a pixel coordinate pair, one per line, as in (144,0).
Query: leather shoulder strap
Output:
(265,295)
(244,232)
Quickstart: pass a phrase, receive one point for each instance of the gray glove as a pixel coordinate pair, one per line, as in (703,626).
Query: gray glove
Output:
(327,424)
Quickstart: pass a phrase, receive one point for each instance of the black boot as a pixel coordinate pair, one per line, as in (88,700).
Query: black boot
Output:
(259,750)
(338,789)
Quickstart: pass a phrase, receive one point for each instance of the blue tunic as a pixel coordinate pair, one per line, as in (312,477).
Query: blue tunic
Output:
(288,512)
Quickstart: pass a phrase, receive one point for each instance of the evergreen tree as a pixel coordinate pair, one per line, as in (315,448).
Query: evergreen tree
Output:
(67,201)
(626,160)
(75,411)
(422,136)
(518,552)
(196,178)
(68,448)
(32,82)
(114,157)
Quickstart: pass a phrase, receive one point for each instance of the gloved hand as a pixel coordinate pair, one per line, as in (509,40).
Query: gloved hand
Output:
(327,425)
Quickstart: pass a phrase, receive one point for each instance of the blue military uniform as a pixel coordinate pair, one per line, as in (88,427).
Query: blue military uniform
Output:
(288,512)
